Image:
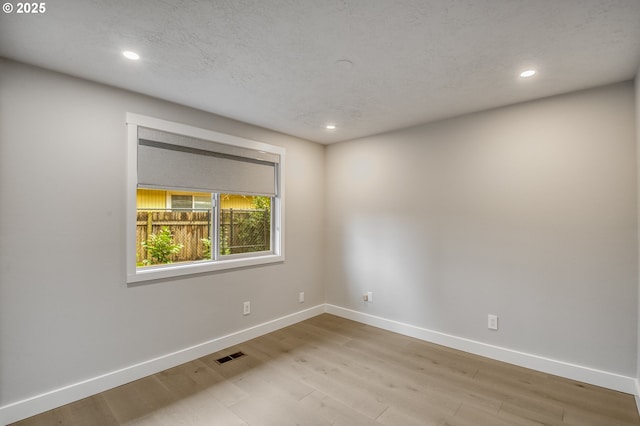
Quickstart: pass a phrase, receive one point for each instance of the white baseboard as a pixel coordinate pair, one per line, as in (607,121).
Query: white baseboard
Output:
(58,397)
(637,394)
(559,368)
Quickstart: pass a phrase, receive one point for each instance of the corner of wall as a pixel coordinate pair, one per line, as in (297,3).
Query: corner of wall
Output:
(637,115)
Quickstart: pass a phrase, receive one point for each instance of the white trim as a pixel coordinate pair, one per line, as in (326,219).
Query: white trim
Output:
(132,183)
(637,394)
(137,275)
(178,270)
(199,133)
(580,373)
(67,394)
(55,398)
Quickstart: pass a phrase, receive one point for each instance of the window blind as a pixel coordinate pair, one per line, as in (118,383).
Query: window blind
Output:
(167,160)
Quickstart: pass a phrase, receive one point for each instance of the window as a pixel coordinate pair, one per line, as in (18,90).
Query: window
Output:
(181,202)
(189,201)
(200,201)
(182,231)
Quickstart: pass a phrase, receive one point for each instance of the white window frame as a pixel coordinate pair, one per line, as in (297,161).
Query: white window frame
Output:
(276,254)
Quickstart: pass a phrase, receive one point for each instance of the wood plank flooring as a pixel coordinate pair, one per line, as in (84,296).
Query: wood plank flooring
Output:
(332,371)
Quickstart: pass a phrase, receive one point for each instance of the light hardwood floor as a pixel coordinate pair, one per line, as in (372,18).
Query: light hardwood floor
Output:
(329,370)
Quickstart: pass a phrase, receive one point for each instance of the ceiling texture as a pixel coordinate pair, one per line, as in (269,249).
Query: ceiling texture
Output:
(366,66)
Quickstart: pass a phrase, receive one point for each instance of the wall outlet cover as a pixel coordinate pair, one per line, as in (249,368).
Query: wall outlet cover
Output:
(492,322)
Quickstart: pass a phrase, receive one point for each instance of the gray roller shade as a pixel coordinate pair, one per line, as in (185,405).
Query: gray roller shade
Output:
(167,160)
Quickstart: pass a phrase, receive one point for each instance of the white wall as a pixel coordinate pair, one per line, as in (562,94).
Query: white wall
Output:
(527,212)
(66,314)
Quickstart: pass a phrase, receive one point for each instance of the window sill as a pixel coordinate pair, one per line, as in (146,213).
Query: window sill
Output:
(180,270)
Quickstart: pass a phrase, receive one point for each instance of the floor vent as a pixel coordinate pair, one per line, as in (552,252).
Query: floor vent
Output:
(229,357)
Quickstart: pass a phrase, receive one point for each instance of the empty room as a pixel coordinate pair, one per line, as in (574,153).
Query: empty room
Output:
(340,212)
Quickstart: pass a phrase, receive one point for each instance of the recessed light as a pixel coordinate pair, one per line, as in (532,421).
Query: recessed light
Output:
(131,55)
(330,126)
(528,73)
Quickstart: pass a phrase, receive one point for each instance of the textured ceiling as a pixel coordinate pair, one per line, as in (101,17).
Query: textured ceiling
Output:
(368,66)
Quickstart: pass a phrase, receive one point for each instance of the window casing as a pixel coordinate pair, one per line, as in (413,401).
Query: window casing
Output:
(192,164)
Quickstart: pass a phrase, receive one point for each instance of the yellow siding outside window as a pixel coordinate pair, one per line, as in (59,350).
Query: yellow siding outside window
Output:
(155,199)
(151,199)
(239,202)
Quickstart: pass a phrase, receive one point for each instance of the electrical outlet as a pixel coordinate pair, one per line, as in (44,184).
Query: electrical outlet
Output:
(247,308)
(493,322)
(301,297)
(369,296)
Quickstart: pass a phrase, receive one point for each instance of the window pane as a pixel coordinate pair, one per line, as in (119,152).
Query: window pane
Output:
(182,202)
(166,235)
(202,202)
(245,224)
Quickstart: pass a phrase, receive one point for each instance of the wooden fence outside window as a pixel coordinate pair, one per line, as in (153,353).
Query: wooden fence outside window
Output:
(242,231)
